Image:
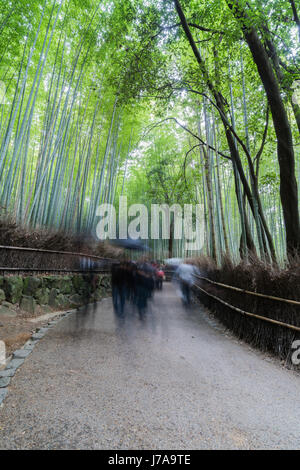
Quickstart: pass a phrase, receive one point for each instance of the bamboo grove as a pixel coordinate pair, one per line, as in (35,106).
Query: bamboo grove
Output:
(163,101)
(62,136)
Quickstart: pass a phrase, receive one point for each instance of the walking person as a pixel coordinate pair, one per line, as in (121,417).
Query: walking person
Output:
(118,288)
(160,275)
(186,274)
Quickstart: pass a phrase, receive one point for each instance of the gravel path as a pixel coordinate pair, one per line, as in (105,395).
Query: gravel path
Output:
(173,382)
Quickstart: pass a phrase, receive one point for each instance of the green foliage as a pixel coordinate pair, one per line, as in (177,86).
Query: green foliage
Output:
(90,87)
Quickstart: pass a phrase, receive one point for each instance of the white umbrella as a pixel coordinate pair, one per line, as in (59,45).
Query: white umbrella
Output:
(174,261)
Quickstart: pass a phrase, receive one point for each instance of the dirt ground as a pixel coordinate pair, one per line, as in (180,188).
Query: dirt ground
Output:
(15,331)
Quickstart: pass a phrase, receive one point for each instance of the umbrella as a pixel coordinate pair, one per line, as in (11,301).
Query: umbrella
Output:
(173,261)
(130,244)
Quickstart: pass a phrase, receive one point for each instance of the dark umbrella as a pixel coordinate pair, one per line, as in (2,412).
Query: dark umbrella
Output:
(130,244)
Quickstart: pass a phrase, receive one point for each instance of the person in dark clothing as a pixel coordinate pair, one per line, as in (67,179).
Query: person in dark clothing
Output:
(118,288)
(134,283)
(142,291)
(90,281)
(186,292)
(130,280)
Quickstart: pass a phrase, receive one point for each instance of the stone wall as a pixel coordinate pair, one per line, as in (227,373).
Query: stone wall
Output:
(56,292)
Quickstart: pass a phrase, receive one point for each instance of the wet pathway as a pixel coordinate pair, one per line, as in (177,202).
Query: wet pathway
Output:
(173,381)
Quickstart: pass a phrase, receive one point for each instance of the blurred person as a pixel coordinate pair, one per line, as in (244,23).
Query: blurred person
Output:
(150,275)
(118,275)
(91,281)
(160,276)
(185,274)
(130,281)
(142,286)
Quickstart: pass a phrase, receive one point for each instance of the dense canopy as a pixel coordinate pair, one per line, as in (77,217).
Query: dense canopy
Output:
(162,101)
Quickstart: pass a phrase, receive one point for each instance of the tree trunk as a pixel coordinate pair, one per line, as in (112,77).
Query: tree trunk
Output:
(296,17)
(207,168)
(170,248)
(285,151)
(235,156)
